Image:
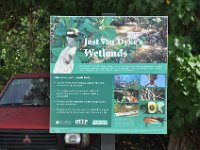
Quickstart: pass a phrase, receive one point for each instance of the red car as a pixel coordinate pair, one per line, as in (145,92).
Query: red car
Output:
(24,117)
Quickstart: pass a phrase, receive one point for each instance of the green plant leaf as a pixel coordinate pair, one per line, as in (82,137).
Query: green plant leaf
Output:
(72,22)
(109,33)
(56,51)
(198,86)
(198,113)
(148,1)
(198,25)
(154,3)
(82,57)
(178,119)
(91,28)
(61,29)
(191,116)
(107,21)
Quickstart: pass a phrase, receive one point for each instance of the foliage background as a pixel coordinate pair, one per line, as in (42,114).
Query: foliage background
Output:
(24,47)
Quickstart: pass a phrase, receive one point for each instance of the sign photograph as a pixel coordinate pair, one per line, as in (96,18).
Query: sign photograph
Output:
(108,74)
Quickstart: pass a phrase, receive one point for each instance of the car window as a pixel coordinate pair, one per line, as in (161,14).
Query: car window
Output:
(30,91)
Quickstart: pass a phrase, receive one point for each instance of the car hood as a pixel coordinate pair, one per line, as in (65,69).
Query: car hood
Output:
(24,117)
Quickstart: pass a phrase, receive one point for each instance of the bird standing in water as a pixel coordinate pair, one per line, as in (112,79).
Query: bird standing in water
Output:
(65,62)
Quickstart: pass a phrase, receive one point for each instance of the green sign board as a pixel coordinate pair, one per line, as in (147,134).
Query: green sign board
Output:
(108,74)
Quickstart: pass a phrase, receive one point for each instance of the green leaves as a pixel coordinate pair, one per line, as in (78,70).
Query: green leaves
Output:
(56,52)
(73,22)
(107,21)
(109,33)
(184,83)
(198,25)
(178,119)
(181,44)
(61,29)
(91,28)
(198,113)
(82,57)
(198,86)
(24,42)
(89,25)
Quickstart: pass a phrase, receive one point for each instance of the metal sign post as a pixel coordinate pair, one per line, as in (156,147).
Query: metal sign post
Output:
(107,141)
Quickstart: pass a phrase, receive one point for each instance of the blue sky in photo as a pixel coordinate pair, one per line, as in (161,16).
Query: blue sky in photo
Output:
(160,81)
